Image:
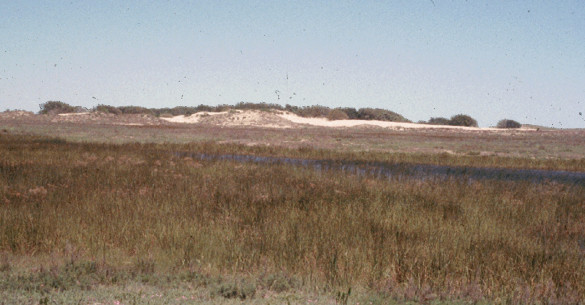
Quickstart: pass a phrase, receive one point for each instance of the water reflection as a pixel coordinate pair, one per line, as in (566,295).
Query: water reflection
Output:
(400,171)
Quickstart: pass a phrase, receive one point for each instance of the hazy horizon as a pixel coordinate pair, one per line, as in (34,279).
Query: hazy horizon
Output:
(421,59)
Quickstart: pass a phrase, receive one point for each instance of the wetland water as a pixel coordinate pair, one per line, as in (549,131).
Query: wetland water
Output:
(401,171)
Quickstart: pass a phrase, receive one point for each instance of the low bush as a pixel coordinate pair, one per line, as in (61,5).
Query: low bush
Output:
(439,121)
(462,120)
(316,111)
(337,114)
(291,108)
(107,109)
(79,109)
(135,110)
(205,108)
(380,115)
(182,110)
(56,107)
(257,106)
(352,113)
(505,123)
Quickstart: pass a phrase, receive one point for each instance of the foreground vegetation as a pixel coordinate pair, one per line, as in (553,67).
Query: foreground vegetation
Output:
(91,221)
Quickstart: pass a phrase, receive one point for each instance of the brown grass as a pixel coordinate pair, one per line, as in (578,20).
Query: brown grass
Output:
(136,203)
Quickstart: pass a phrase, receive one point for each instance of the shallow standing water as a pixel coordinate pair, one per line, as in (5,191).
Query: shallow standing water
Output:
(401,171)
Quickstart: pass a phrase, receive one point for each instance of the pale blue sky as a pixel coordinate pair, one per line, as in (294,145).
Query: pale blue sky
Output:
(523,60)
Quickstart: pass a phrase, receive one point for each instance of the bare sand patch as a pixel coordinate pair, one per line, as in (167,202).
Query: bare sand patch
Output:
(74,114)
(194,118)
(256,118)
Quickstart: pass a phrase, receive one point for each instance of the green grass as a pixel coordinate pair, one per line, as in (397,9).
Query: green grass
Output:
(84,218)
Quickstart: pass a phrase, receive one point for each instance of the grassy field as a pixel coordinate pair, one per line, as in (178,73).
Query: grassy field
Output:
(542,145)
(134,224)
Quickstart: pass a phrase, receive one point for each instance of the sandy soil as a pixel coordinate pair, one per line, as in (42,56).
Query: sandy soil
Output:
(192,119)
(236,118)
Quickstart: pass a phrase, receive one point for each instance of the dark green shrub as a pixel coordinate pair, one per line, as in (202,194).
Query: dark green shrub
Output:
(204,108)
(439,121)
(505,123)
(181,110)
(291,108)
(221,108)
(80,109)
(159,111)
(380,115)
(337,114)
(135,110)
(107,109)
(56,107)
(462,120)
(257,106)
(352,113)
(316,111)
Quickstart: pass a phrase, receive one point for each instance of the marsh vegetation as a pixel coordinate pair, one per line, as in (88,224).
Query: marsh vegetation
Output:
(79,216)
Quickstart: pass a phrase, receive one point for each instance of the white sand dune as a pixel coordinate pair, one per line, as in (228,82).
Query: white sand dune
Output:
(353,123)
(283,119)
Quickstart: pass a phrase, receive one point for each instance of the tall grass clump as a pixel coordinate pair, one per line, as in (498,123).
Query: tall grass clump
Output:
(415,240)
